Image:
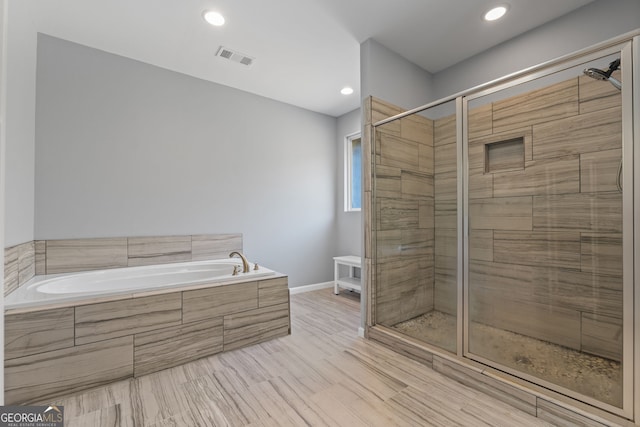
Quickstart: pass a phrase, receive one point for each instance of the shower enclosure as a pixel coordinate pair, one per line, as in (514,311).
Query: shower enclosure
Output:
(499,226)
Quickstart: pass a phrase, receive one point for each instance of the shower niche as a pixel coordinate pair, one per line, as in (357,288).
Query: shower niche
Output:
(499,228)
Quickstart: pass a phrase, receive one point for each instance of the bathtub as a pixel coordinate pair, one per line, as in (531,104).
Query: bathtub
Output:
(70,287)
(71,332)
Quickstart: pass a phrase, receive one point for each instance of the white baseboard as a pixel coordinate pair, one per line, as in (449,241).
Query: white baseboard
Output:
(361,332)
(308,288)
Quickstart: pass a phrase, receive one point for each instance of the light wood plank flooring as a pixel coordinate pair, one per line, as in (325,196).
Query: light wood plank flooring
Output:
(320,375)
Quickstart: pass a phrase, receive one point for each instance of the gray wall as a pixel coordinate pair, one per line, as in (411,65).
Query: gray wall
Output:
(19,123)
(348,224)
(124,148)
(388,76)
(589,25)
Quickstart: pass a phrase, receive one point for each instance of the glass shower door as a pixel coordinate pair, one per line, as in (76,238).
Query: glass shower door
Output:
(416,234)
(545,289)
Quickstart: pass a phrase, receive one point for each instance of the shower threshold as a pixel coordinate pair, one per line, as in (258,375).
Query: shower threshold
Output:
(588,374)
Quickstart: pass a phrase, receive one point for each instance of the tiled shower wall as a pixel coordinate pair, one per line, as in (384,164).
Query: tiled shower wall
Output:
(546,216)
(23,261)
(404,216)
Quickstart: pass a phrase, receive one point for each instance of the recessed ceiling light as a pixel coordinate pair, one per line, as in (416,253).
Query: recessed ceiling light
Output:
(346,90)
(213,18)
(495,13)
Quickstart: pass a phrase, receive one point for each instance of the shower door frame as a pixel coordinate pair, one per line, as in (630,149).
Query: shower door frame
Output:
(624,48)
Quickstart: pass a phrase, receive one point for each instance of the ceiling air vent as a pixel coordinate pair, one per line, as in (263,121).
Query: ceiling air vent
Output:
(234,56)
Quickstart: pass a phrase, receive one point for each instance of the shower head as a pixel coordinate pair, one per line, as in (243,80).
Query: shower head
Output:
(596,73)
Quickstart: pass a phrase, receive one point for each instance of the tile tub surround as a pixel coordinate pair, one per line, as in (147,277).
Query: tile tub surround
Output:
(19,265)
(42,257)
(63,350)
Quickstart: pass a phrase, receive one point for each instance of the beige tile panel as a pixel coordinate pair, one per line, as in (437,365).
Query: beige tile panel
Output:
(37,332)
(445,158)
(97,322)
(255,326)
(401,347)
(586,212)
(10,270)
(400,243)
(26,262)
(273,291)
(480,184)
(504,155)
(444,131)
(601,254)
(445,186)
(45,375)
(158,250)
(500,279)
(425,158)
(445,293)
(480,121)
(595,96)
(550,249)
(397,213)
(602,336)
(381,110)
(599,170)
(481,245)
(214,246)
(472,378)
(404,289)
(446,243)
(368,147)
(370,290)
(65,256)
(416,185)
(538,106)
(543,177)
(506,213)
(41,253)
(478,151)
(367,213)
(586,133)
(548,286)
(446,213)
(399,153)
(445,284)
(388,182)
(559,416)
(498,309)
(388,244)
(366,110)
(426,213)
(577,290)
(173,346)
(219,301)
(417,128)
(390,129)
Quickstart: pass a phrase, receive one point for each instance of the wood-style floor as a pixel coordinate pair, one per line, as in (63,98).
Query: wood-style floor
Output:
(323,374)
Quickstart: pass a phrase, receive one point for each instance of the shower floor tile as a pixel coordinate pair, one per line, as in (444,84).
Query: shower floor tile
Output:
(584,373)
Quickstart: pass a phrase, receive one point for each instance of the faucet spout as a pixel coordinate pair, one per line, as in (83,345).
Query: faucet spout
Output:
(245,263)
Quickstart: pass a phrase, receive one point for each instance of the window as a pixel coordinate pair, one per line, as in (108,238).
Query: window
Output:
(353,173)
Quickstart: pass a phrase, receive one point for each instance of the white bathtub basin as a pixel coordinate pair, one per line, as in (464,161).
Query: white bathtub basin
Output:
(43,290)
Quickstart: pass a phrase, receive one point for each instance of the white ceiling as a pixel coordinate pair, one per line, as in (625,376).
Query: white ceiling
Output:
(305,50)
